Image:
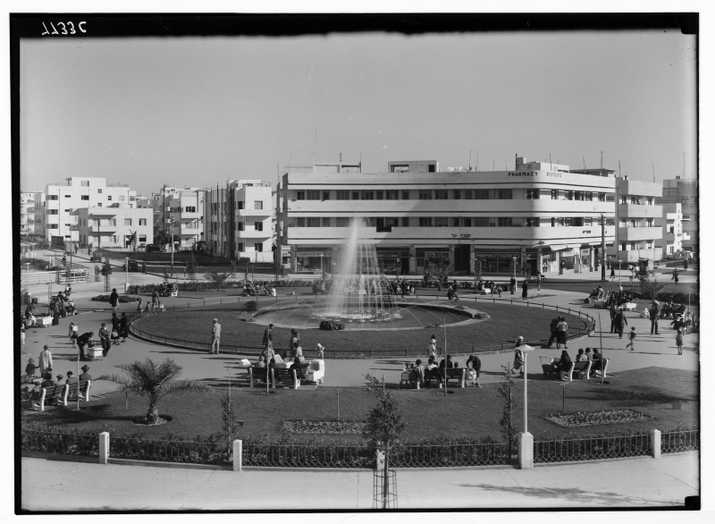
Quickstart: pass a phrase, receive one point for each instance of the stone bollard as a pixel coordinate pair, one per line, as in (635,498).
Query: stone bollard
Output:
(526,451)
(655,443)
(237,455)
(379,460)
(103,447)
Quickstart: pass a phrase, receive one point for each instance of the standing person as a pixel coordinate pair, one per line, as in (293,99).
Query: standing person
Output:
(512,285)
(432,348)
(552,331)
(45,360)
(294,342)
(154,299)
(84,376)
(654,313)
(267,336)
(114,300)
(524,289)
(613,312)
(679,340)
(631,339)
(104,339)
(124,327)
(539,278)
(675,275)
(215,337)
(613,272)
(518,366)
(562,329)
(139,305)
(621,322)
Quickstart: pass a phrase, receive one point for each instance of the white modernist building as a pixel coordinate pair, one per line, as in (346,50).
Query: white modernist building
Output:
(63,200)
(115,226)
(684,191)
(537,217)
(240,221)
(32,213)
(673,234)
(638,216)
(181,214)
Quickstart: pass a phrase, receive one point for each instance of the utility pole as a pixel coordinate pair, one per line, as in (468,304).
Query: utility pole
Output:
(603,249)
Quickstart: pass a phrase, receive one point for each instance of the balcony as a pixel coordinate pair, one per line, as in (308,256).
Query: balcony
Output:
(252,233)
(639,211)
(634,234)
(267,211)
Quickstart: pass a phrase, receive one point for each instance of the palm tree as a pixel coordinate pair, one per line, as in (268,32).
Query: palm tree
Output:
(154,382)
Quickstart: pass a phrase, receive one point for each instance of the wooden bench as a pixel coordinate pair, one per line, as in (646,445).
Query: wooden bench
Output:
(437,375)
(581,369)
(82,388)
(599,367)
(256,374)
(285,377)
(53,395)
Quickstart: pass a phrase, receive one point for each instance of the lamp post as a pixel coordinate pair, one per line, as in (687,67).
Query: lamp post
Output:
(526,439)
(514,266)
(170,221)
(126,274)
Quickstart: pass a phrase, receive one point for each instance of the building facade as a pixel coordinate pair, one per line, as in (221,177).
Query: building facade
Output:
(115,226)
(32,214)
(240,221)
(673,236)
(638,216)
(537,217)
(684,192)
(179,212)
(64,200)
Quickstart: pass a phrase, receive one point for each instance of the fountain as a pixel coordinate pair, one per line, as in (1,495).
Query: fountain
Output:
(357,290)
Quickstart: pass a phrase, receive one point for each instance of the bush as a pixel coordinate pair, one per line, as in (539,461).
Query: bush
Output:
(251,305)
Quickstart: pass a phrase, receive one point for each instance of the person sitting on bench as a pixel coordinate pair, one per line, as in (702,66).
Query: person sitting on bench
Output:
(474,366)
(85,376)
(565,364)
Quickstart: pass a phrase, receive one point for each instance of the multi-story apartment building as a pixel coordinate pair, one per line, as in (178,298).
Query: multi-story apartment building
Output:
(684,192)
(114,226)
(537,217)
(673,235)
(240,221)
(32,213)
(179,212)
(63,200)
(637,216)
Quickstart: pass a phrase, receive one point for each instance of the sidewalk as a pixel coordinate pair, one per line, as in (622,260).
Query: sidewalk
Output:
(637,483)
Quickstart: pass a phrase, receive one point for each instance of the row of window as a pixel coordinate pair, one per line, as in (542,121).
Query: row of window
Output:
(86,197)
(638,200)
(258,226)
(455,194)
(389,222)
(633,246)
(258,246)
(257,205)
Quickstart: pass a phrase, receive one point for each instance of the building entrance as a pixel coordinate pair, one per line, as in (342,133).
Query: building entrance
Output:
(461,258)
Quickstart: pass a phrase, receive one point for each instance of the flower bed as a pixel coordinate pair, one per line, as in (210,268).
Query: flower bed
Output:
(594,418)
(324,427)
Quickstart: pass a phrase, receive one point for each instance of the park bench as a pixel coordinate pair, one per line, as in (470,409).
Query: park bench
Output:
(285,377)
(80,388)
(581,369)
(437,375)
(599,367)
(53,396)
(256,374)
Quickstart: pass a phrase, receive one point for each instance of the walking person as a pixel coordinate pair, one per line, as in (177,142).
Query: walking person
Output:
(114,300)
(552,331)
(613,311)
(155,300)
(613,272)
(215,337)
(621,322)
(675,276)
(654,313)
(512,285)
(631,339)
(45,360)
(679,340)
(267,336)
(524,289)
(104,339)
(123,327)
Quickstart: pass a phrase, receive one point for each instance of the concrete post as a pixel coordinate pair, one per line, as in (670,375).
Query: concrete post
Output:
(655,443)
(526,451)
(104,447)
(237,455)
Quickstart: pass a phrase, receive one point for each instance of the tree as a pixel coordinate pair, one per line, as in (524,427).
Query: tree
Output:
(218,278)
(106,271)
(506,423)
(649,288)
(383,428)
(229,423)
(154,382)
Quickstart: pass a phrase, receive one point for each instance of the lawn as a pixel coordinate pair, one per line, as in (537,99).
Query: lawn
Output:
(668,397)
(506,322)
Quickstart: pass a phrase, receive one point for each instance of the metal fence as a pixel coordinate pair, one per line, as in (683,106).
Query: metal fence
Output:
(62,443)
(592,448)
(681,440)
(306,456)
(451,455)
(208,451)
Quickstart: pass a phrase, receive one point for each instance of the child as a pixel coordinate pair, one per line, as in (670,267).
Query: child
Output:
(631,338)
(74,332)
(679,340)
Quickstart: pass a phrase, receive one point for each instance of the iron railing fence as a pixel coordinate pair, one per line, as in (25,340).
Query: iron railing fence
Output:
(592,448)
(60,442)
(306,456)
(680,440)
(450,455)
(205,451)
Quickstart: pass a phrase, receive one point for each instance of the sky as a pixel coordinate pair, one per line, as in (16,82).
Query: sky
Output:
(199,111)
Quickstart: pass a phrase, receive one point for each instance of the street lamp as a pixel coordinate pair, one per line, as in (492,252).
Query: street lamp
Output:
(526,439)
(170,221)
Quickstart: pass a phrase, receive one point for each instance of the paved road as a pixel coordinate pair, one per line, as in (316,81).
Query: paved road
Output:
(642,482)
